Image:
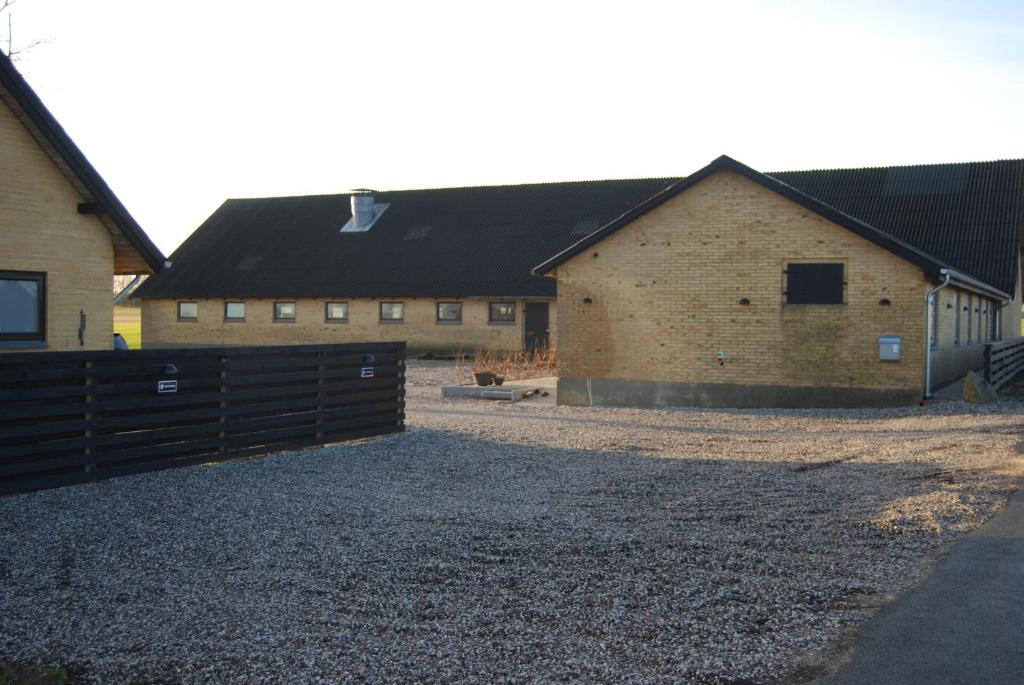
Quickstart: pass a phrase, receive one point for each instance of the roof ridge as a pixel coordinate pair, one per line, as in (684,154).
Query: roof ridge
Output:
(670,179)
(895,166)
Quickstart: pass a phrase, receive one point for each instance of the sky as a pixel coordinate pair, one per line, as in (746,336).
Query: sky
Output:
(182,105)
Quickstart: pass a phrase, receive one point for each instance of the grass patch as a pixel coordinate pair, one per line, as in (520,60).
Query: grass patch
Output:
(16,674)
(127,322)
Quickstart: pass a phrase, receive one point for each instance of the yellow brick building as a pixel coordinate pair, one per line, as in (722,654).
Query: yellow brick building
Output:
(701,296)
(443,269)
(481,324)
(63,233)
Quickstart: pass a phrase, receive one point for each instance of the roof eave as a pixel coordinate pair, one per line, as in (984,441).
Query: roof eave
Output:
(965,282)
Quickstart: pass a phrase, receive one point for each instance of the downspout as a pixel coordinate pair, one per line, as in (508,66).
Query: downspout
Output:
(928,333)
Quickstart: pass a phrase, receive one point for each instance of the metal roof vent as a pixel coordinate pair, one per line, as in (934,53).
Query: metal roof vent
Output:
(365,211)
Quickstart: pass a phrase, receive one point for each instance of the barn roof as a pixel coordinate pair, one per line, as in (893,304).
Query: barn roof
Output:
(449,242)
(963,217)
(967,215)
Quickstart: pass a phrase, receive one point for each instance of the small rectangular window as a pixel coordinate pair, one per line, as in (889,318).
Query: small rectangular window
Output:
(393,312)
(234,311)
(970,318)
(284,311)
(978,316)
(450,312)
(188,311)
(956,323)
(814,283)
(997,321)
(336,311)
(933,314)
(22,305)
(991,332)
(503,312)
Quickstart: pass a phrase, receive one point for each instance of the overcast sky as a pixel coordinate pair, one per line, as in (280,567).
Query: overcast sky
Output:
(181,105)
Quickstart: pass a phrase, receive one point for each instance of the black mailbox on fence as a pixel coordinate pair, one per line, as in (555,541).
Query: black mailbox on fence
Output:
(168,385)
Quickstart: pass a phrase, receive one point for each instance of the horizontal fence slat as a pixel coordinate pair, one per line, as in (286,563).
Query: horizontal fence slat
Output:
(71,417)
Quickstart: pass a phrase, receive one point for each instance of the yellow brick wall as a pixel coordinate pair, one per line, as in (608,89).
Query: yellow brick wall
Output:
(160,325)
(41,230)
(665,295)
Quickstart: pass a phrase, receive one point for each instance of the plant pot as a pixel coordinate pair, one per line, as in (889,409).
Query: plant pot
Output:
(498,380)
(483,377)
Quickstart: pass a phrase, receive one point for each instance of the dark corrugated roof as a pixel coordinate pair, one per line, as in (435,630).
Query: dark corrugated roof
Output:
(969,215)
(453,242)
(29,103)
(724,162)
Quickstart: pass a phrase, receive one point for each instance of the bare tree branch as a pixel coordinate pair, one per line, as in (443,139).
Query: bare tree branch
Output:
(5,6)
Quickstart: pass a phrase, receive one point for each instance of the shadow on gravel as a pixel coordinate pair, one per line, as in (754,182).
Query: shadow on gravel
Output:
(834,416)
(436,556)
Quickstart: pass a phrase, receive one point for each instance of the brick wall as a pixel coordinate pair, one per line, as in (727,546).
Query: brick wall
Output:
(420,329)
(665,297)
(41,230)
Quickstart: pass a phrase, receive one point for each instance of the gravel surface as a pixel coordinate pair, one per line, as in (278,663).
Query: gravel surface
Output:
(499,542)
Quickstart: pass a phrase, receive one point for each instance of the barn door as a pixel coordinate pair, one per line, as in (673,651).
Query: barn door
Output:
(537,333)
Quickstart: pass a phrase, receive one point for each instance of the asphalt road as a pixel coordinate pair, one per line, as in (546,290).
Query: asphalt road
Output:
(964,624)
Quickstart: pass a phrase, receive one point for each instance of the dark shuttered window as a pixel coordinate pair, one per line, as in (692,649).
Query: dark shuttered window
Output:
(814,283)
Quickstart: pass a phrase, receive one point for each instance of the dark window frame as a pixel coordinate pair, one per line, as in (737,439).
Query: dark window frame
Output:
(958,308)
(805,284)
(333,319)
(187,318)
(380,312)
(490,313)
(234,318)
(970,319)
(38,335)
(933,328)
(437,312)
(285,319)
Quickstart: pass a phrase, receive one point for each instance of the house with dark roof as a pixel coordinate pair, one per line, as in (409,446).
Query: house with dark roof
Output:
(846,287)
(63,232)
(442,269)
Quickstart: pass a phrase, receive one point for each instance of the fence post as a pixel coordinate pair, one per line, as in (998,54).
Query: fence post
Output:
(321,370)
(988,362)
(89,397)
(223,404)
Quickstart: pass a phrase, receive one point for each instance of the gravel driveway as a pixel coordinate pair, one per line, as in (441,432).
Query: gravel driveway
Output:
(496,542)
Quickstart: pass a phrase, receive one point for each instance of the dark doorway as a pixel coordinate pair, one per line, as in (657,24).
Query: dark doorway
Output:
(537,333)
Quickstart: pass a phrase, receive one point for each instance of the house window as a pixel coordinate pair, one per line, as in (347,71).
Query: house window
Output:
(234,311)
(392,312)
(814,283)
(956,323)
(977,314)
(336,312)
(970,318)
(933,329)
(188,311)
(449,312)
(284,311)
(996,321)
(503,312)
(22,305)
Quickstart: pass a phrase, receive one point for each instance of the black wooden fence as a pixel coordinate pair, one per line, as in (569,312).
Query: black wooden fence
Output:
(1003,361)
(69,417)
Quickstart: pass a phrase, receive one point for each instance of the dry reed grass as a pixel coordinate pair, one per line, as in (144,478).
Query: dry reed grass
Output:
(517,365)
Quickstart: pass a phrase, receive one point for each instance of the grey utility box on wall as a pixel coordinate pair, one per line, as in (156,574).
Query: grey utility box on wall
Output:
(890,348)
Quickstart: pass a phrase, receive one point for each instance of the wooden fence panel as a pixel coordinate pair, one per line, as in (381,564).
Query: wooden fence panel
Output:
(1003,361)
(73,417)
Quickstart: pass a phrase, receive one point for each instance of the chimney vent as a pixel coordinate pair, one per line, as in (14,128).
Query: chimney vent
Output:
(364,211)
